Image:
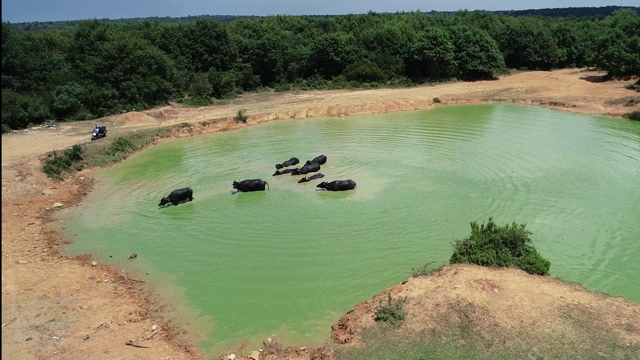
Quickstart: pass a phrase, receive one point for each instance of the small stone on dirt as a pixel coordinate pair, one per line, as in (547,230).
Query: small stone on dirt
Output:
(255,355)
(56,205)
(94,263)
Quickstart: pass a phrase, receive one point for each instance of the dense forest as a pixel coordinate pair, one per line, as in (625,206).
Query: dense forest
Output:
(89,69)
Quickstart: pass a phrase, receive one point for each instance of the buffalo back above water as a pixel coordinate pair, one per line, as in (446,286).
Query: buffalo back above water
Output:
(177,196)
(312,177)
(320,159)
(338,185)
(285,171)
(290,162)
(307,168)
(250,185)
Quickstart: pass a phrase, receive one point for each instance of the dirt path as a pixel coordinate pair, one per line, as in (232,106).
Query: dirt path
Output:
(54,306)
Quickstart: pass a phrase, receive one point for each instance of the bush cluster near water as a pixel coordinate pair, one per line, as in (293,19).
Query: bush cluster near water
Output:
(499,246)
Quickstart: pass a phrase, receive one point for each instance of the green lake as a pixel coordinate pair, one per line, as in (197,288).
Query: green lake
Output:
(291,260)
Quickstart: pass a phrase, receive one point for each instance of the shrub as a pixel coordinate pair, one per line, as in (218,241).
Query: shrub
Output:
(491,245)
(241,116)
(280,87)
(56,165)
(634,115)
(121,145)
(635,86)
(425,269)
(437,100)
(197,101)
(392,312)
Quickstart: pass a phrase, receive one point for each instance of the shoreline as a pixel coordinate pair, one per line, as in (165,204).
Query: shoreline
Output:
(33,237)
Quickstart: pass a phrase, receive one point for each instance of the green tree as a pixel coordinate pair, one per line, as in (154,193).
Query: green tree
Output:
(528,43)
(206,45)
(200,86)
(19,110)
(141,72)
(476,54)
(620,47)
(67,102)
(332,53)
(364,71)
(223,84)
(275,54)
(433,55)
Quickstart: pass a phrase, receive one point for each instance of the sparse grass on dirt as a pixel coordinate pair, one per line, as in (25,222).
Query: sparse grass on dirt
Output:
(467,330)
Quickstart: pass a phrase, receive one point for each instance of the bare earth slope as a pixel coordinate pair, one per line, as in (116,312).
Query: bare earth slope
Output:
(55,306)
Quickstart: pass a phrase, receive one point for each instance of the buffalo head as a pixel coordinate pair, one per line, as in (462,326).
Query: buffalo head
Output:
(322,185)
(164,201)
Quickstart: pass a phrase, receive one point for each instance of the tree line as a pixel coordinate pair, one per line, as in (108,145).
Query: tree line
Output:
(97,67)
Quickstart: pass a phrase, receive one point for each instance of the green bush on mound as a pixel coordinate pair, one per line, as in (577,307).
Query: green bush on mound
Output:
(392,312)
(507,246)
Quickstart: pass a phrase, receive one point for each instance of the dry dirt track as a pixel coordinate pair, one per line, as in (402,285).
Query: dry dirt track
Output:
(54,306)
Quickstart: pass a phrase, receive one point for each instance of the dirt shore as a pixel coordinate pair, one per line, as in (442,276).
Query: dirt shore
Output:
(60,307)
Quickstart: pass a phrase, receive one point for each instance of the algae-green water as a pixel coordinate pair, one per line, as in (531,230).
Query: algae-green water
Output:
(291,260)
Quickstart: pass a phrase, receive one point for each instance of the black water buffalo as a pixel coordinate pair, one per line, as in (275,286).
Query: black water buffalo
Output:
(290,162)
(285,171)
(312,177)
(307,168)
(177,196)
(250,185)
(338,185)
(321,159)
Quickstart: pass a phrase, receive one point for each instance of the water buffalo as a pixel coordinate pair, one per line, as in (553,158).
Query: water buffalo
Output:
(338,185)
(312,177)
(177,196)
(321,159)
(290,162)
(250,185)
(307,168)
(285,171)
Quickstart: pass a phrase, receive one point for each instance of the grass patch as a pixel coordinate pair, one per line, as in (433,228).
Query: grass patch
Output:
(632,102)
(195,101)
(635,86)
(120,148)
(60,164)
(57,164)
(426,269)
(384,341)
(465,331)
